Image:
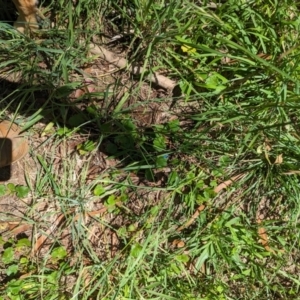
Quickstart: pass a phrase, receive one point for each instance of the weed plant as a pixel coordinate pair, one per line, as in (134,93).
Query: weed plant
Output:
(232,119)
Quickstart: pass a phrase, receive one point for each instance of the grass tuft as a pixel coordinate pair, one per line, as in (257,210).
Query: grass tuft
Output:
(131,191)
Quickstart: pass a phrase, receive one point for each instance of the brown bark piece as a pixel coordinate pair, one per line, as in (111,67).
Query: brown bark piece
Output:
(12,146)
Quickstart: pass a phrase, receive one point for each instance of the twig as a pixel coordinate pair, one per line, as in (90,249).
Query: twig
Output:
(262,233)
(201,207)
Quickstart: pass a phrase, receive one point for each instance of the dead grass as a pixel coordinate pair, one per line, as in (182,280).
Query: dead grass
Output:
(141,192)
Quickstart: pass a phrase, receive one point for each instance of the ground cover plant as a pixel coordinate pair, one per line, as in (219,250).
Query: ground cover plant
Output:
(132,190)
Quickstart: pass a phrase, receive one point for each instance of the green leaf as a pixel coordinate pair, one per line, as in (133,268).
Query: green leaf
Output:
(24,260)
(2,190)
(122,232)
(159,143)
(182,258)
(11,187)
(111,200)
(53,277)
(174,269)
(136,250)
(216,82)
(173,126)
(99,190)
(233,221)
(111,148)
(149,175)
(22,191)
(173,178)
(155,210)
(132,227)
(14,288)
(129,125)
(92,109)
(49,129)
(161,161)
(188,49)
(77,119)
(124,141)
(66,90)
(8,255)
(11,270)
(63,131)
(23,243)
(86,147)
(59,253)
(247,272)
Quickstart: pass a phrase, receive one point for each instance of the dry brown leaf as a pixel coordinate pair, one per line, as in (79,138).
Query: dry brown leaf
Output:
(41,240)
(89,87)
(178,243)
(227,183)
(14,228)
(192,219)
(21,229)
(292,172)
(279,159)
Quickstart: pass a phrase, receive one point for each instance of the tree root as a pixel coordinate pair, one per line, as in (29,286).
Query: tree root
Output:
(122,63)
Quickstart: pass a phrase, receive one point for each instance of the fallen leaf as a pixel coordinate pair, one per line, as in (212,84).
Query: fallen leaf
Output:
(279,159)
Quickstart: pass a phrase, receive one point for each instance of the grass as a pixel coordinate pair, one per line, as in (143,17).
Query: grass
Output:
(118,169)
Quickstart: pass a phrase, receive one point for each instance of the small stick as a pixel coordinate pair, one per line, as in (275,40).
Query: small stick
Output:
(262,233)
(201,207)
